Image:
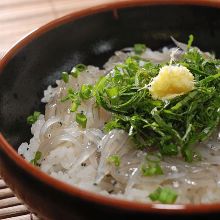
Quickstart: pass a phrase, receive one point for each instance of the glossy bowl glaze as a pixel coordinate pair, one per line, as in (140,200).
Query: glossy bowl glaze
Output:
(90,36)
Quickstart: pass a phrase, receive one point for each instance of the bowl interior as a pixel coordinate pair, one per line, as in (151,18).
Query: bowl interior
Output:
(91,40)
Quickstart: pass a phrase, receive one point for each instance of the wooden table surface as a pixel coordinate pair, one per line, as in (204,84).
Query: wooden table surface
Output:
(18,18)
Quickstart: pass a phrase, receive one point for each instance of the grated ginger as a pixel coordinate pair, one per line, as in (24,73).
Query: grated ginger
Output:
(171,81)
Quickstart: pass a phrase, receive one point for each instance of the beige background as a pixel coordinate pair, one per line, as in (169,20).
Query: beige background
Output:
(19,17)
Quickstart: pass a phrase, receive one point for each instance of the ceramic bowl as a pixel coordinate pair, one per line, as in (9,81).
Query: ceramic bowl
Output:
(90,36)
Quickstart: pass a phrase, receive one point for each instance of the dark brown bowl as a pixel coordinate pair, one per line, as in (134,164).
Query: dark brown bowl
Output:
(90,36)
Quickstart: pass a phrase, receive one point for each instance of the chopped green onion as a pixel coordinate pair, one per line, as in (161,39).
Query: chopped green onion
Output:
(164,195)
(112,92)
(81,119)
(78,69)
(81,67)
(74,98)
(139,48)
(151,169)
(33,118)
(65,77)
(169,149)
(37,157)
(74,107)
(188,154)
(86,91)
(70,95)
(190,41)
(111,125)
(114,159)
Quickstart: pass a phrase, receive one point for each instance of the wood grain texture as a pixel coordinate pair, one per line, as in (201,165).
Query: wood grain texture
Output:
(5,193)
(2,184)
(13,211)
(11,207)
(7,202)
(23,217)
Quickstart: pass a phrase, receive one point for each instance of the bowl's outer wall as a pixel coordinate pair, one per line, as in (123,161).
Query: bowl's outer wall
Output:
(89,40)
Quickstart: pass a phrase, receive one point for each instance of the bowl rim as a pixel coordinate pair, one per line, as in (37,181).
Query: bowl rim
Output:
(75,191)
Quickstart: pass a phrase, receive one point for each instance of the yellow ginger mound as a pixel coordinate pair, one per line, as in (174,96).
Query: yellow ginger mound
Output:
(171,81)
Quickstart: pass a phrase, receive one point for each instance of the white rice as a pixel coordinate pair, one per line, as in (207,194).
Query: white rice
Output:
(78,156)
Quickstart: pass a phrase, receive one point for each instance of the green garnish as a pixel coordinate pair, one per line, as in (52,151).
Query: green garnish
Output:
(86,91)
(65,77)
(112,93)
(74,98)
(151,169)
(81,119)
(33,118)
(37,157)
(78,69)
(164,195)
(190,41)
(71,95)
(74,107)
(114,159)
(111,125)
(139,48)
(173,126)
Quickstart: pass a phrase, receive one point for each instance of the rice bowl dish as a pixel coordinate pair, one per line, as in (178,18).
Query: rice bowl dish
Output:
(87,143)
